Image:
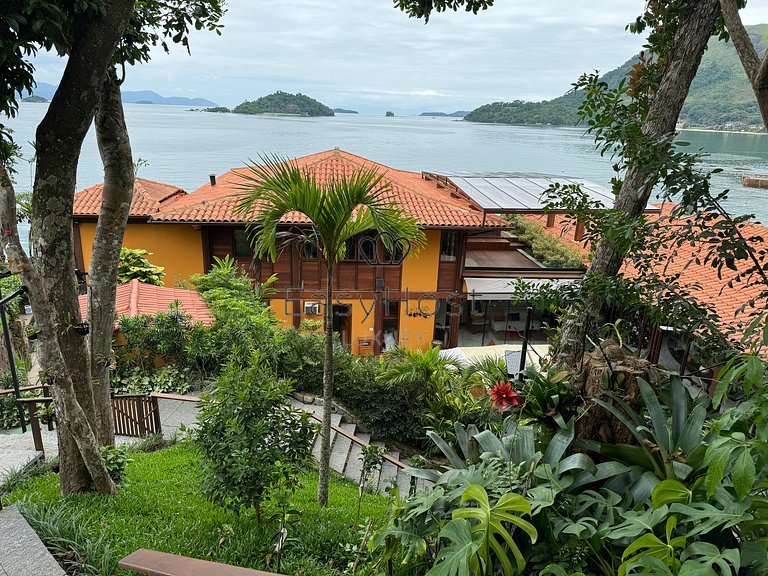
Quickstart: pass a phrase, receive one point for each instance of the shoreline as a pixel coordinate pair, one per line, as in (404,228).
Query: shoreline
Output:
(722,131)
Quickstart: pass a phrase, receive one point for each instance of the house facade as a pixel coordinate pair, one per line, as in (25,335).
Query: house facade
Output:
(454,291)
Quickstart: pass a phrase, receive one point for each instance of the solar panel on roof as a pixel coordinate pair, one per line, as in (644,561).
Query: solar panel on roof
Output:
(523,192)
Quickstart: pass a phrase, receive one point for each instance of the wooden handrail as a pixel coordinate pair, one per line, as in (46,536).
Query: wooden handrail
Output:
(359,441)
(178,397)
(22,389)
(35,399)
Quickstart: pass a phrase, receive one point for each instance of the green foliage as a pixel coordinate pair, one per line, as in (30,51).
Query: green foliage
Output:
(221,109)
(248,435)
(116,460)
(284,103)
(151,339)
(134,265)
(545,247)
(9,414)
(389,114)
(162,508)
(171,379)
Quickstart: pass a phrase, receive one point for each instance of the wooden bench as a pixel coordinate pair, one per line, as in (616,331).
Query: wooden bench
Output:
(155,563)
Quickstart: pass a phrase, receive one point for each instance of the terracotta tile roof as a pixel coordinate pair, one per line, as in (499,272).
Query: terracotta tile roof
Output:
(712,291)
(430,205)
(148,197)
(135,298)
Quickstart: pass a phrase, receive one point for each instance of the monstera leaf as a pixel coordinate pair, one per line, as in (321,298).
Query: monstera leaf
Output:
(460,558)
(489,523)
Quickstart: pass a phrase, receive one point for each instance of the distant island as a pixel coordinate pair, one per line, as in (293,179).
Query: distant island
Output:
(45,90)
(35,99)
(345,111)
(217,109)
(720,98)
(284,103)
(457,114)
(389,114)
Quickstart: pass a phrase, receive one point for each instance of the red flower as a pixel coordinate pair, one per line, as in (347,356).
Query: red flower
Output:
(503,396)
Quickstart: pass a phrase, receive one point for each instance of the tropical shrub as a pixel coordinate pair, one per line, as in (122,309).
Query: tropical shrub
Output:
(134,264)
(171,379)
(249,435)
(151,339)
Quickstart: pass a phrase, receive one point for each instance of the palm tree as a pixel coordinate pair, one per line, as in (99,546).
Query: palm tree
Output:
(339,208)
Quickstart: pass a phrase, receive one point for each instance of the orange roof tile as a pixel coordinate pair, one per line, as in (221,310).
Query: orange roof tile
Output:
(148,197)
(711,290)
(430,205)
(135,298)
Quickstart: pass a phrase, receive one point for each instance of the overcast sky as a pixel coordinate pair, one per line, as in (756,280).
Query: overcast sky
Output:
(365,54)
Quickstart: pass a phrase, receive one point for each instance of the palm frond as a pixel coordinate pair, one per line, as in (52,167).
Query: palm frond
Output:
(340,208)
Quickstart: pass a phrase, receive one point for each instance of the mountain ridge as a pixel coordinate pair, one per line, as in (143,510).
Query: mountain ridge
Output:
(720,96)
(45,90)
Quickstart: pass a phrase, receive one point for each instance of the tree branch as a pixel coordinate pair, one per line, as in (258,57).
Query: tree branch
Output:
(740,38)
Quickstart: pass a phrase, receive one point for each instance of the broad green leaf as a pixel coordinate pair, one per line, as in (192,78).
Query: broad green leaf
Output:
(658,419)
(743,474)
(700,558)
(636,523)
(669,492)
(460,558)
(716,471)
(559,444)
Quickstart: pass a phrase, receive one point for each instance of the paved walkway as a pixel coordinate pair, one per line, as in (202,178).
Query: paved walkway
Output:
(23,554)
(17,450)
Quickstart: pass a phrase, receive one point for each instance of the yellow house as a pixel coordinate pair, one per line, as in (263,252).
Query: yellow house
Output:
(379,301)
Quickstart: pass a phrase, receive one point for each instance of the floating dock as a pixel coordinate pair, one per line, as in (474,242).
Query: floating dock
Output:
(755,180)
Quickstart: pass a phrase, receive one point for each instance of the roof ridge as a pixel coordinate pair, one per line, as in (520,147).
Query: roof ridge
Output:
(133,302)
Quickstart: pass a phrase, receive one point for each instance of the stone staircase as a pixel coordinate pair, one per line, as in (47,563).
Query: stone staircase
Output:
(346,453)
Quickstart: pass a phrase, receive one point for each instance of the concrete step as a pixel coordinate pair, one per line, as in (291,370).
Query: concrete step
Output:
(341,447)
(23,552)
(335,420)
(388,473)
(354,463)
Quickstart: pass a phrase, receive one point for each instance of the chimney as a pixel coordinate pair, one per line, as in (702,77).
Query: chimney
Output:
(213,179)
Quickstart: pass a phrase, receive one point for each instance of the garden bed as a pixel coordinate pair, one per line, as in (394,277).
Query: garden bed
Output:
(162,508)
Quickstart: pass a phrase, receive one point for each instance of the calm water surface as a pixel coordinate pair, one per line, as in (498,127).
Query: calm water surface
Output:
(182,147)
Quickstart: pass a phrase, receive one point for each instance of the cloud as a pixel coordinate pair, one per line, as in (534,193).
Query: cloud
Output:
(367,54)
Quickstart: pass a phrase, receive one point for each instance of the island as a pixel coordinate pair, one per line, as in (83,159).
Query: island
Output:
(345,111)
(457,114)
(35,99)
(284,103)
(389,114)
(222,109)
(143,102)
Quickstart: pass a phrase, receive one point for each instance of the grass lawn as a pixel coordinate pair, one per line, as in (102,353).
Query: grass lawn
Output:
(163,509)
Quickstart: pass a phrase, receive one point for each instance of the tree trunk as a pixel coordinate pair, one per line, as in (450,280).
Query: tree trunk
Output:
(755,66)
(691,38)
(325,446)
(58,141)
(71,419)
(115,150)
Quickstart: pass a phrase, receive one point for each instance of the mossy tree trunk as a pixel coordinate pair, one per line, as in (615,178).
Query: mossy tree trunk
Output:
(117,192)
(50,279)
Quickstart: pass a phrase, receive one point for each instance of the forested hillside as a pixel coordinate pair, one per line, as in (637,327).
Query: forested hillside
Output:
(720,95)
(284,103)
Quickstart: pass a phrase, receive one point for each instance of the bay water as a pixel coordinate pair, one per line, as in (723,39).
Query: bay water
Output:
(182,147)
